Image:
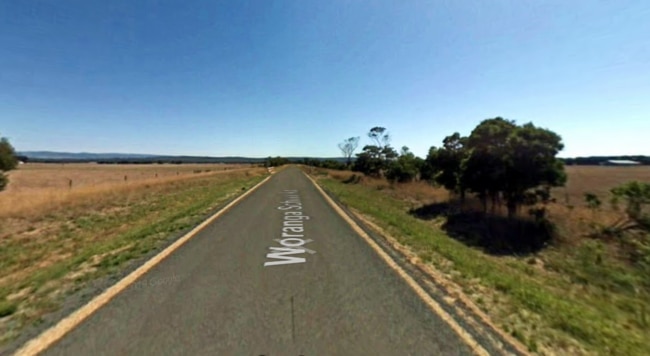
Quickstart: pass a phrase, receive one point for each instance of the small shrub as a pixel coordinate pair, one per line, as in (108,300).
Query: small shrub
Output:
(592,201)
(7,308)
(637,197)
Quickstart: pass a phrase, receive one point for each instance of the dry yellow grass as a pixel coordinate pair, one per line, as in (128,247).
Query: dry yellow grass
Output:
(36,188)
(570,213)
(33,176)
(415,192)
(598,180)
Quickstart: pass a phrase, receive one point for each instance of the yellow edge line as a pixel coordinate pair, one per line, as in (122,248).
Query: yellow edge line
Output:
(56,332)
(465,336)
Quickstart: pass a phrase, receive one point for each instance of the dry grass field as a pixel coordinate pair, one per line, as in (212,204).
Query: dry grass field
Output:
(571,214)
(36,188)
(598,180)
(47,176)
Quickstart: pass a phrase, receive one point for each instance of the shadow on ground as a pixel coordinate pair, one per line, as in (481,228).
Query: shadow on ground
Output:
(353,179)
(494,234)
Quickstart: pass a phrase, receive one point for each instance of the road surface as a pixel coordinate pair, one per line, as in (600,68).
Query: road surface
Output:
(278,274)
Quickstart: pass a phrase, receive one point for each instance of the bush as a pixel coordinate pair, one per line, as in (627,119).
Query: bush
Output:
(592,201)
(398,172)
(637,197)
(7,308)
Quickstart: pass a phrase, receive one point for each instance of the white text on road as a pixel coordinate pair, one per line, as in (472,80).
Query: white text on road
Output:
(293,230)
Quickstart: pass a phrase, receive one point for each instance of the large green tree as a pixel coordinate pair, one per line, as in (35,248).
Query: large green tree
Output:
(508,161)
(531,162)
(8,161)
(484,168)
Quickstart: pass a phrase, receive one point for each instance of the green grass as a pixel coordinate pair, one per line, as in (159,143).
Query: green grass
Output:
(135,229)
(604,321)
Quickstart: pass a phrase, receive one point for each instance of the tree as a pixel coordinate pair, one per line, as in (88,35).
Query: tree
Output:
(348,147)
(531,162)
(388,154)
(508,161)
(380,136)
(375,159)
(405,168)
(332,164)
(8,161)
(381,149)
(428,170)
(445,163)
(367,162)
(484,169)
(276,161)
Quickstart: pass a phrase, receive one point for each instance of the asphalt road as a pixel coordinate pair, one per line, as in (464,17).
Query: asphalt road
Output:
(215,296)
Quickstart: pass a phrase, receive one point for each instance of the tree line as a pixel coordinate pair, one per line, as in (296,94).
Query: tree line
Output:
(499,161)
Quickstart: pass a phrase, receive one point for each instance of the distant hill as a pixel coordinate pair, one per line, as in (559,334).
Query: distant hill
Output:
(49,156)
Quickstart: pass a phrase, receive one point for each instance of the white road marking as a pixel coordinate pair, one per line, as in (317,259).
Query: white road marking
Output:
(311,252)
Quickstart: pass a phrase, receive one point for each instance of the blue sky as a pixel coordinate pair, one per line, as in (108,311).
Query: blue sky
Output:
(294,78)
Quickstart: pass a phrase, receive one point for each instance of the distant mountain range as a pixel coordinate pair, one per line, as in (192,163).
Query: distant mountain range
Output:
(50,156)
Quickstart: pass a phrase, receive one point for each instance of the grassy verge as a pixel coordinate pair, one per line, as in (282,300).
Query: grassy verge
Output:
(45,257)
(547,308)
